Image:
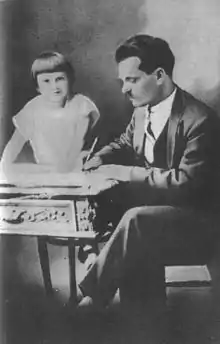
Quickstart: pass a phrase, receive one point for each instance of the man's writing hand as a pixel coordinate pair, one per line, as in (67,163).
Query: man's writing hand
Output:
(93,163)
(79,163)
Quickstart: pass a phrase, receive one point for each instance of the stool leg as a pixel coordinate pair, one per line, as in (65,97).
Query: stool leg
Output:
(45,264)
(72,273)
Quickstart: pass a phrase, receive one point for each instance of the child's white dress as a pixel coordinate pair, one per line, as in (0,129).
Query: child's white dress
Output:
(57,136)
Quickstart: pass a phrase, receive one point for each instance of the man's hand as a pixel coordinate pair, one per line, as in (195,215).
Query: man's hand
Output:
(79,163)
(93,163)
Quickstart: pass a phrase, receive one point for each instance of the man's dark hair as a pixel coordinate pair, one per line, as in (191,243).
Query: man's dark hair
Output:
(153,52)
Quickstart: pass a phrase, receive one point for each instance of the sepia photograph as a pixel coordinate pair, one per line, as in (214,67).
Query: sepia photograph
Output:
(109,172)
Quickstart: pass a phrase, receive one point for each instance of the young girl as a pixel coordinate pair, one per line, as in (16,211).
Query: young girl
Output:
(57,123)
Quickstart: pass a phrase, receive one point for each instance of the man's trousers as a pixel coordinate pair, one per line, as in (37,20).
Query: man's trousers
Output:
(147,239)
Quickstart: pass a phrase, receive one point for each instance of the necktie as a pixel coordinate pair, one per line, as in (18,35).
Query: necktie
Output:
(149,131)
(150,138)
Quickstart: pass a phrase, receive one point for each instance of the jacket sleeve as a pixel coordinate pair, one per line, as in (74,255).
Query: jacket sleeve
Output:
(122,145)
(193,167)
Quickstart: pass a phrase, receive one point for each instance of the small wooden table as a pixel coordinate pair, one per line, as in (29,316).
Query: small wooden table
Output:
(51,206)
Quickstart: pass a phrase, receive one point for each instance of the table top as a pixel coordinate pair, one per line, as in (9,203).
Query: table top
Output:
(24,182)
(32,179)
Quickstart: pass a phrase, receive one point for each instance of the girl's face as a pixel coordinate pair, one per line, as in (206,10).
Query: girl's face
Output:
(54,87)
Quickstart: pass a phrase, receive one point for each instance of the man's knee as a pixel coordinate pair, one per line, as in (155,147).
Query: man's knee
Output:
(147,214)
(131,215)
(134,221)
(147,221)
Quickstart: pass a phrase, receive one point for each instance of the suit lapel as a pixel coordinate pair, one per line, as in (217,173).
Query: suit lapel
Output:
(176,114)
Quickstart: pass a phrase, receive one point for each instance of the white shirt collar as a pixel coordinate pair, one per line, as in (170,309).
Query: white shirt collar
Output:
(160,114)
(166,104)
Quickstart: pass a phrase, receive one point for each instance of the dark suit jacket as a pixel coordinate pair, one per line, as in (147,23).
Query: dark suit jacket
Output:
(189,174)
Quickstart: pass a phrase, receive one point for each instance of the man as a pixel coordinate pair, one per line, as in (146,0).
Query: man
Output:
(173,139)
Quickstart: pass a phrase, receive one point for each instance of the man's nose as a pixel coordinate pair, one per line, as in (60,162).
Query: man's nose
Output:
(125,88)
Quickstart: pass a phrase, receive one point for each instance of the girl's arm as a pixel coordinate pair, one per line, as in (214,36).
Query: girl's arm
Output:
(13,148)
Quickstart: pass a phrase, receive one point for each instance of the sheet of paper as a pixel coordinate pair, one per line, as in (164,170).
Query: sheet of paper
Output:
(33,175)
(28,179)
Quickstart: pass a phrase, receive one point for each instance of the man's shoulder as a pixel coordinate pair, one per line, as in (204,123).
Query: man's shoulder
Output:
(194,109)
(198,116)
(194,103)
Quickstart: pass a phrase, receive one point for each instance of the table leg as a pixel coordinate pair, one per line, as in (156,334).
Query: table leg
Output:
(45,264)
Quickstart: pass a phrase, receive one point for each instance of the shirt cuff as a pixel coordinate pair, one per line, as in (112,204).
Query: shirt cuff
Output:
(139,174)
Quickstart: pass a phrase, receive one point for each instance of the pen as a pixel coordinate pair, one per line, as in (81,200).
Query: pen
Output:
(91,150)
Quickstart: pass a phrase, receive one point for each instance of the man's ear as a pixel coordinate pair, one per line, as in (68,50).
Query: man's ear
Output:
(160,74)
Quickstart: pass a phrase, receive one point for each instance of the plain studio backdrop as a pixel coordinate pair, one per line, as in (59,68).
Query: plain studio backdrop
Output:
(88,31)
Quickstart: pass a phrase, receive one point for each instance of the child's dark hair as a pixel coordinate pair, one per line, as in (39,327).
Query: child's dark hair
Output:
(52,61)
(153,52)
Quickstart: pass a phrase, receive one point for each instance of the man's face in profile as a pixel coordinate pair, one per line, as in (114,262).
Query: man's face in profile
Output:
(141,88)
